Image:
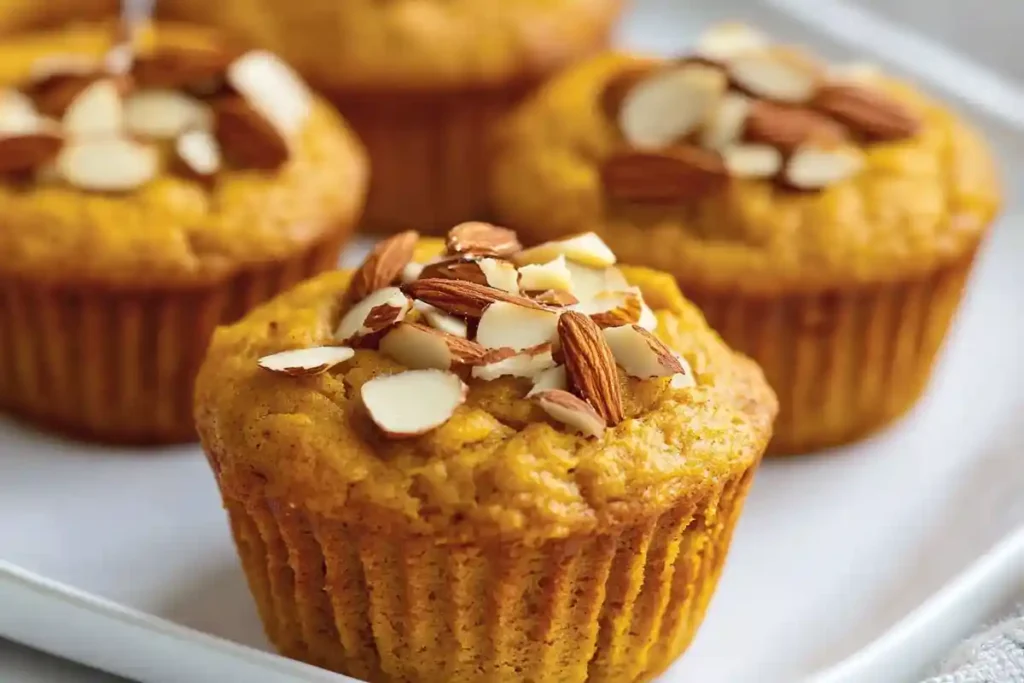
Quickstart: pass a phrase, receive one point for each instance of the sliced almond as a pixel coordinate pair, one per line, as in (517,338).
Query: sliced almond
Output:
(412,271)
(456,268)
(507,325)
(97,111)
(554,297)
(199,152)
(812,168)
(612,309)
(420,347)
(247,138)
(412,403)
(306,362)
(108,165)
(571,411)
(778,75)
(586,249)
(500,274)
(727,40)
(752,161)
(725,126)
(641,354)
(382,266)
(618,87)
(272,88)
(588,282)
(684,379)
(18,115)
(670,104)
(461,298)
(28,151)
(590,365)
(165,114)
(552,378)
(529,363)
(375,313)
(648,319)
(440,320)
(482,239)
(544,276)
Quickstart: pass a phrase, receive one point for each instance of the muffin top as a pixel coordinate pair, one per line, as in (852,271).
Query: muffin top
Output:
(368,44)
(479,399)
(746,165)
(162,156)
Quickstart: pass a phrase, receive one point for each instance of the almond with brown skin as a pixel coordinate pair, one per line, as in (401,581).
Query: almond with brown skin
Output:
(787,127)
(421,347)
(870,112)
(461,298)
(247,138)
(554,297)
(682,173)
(458,268)
(188,68)
(590,365)
(382,266)
(28,151)
(54,93)
(482,239)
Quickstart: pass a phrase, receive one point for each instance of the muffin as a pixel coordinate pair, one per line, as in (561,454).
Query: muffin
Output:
(151,188)
(421,81)
(824,218)
(19,15)
(485,473)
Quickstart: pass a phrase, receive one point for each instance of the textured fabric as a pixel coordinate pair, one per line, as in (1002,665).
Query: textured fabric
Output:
(993,656)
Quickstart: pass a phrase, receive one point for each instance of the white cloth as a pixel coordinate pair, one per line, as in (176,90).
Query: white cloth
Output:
(995,655)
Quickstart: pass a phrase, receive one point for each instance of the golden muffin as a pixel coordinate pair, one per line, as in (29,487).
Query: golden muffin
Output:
(150,190)
(485,473)
(824,218)
(20,15)
(421,81)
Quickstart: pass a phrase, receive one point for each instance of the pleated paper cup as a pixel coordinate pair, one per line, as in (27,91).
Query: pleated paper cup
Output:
(843,363)
(117,364)
(615,606)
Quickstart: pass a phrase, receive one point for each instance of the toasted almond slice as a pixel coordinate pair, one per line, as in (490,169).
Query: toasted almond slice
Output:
(199,152)
(414,402)
(507,325)
(724,41)
(18,115)
(305,362)
(588,282)
(612,309)
(752,161)
(411,272)
(571,411)
(529,363)
(482,239)
(552,378)
(544,276)
(456,268)
(422,347)
(97,111)
(28,151)
(640,353)
(376,312)
(648,320)
(165,114)
(586,249)
(778,75)
(554,297)
(684,379)
(382,266)
(812,168)
(462,298)
(272,88)
(725,126)
(670,104)
(500,274)
(440,320)
(108,165)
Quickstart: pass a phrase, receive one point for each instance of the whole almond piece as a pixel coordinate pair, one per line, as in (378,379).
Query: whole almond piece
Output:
(382,266)
(590,365)
(461,298)
(457,268)
(188,68)
(482,239)
(248,139)
(871,112)
(786,127)
(682,173)
(28,151)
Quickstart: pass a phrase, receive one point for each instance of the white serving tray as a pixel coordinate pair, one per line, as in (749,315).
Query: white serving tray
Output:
(121,558)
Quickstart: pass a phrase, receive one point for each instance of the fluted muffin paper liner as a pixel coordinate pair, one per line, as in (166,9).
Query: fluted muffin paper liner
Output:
(844,363)
(118,364)
(618,606)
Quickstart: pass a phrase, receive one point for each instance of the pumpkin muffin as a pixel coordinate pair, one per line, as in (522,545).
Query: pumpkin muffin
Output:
(824,218)
(19,15)
(421,81)
(485,473)
(151,188)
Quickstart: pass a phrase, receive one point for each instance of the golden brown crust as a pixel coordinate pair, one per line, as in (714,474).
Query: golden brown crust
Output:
(920,203)
(176,232)
(498,466)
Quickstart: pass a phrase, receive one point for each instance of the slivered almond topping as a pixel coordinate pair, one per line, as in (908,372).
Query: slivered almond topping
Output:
(648,320)
(685,379)
(612,309)
(383,266)
(554,297)
(507,325)
(787,127)
(670,104)
(589,282)
(571,411)
(812,168)
(586,249)
(247,138)
(727,40)
(375,313)
(590,365)
(96,111)
(500,274)
(412,271)
(165,114)
(107,164)
(871,112)
(456,268)
(28,151)
(199,153)
(272,88)
(414,402)
(752,161)
(641,354)
(306,362)
(18,115)
(461,298)
(552,378)
(726,125)
(553,275)
(682,173)
(420,347)
(528,363)
(440,320)
(482,239)
(781,75)
(55,82)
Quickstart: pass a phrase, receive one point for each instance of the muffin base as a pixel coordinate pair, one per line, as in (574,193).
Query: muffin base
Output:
(619,606)
(843,364)
(117,365)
